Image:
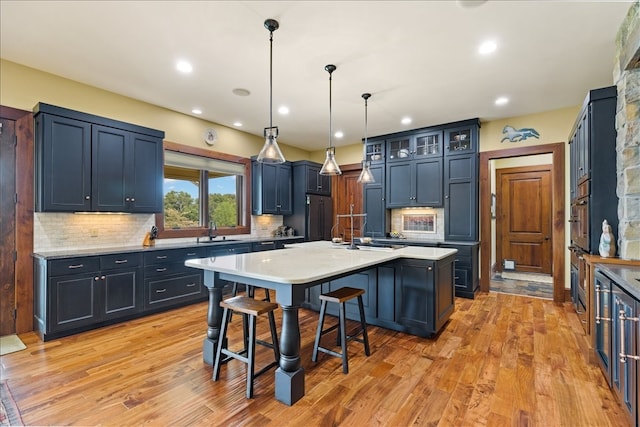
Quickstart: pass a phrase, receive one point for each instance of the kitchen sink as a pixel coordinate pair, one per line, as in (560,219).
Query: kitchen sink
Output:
(216,242)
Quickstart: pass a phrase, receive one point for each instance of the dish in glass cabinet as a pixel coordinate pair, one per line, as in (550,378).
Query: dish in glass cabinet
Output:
(460,137)
(403,153)
(376,157)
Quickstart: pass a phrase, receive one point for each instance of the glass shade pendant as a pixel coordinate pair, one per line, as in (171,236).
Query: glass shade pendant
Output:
(330,166)
(366,177)
(270,152)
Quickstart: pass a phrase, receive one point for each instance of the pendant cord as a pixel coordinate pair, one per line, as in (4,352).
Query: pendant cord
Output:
(330,115)
(270,79)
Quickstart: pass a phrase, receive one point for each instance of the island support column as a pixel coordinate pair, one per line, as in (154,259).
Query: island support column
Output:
(214,316)
(290,374)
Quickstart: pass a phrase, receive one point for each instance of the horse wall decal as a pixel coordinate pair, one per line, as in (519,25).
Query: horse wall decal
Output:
(517,135)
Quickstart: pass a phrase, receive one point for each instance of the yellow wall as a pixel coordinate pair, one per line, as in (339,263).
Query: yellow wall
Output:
(22,87)
(553,126)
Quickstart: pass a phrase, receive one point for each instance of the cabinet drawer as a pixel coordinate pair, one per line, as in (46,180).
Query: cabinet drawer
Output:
(173,255)
(73,266)
(168,290)
(167,269)
(120,261)
(461,278)
(266,246)
(463,261)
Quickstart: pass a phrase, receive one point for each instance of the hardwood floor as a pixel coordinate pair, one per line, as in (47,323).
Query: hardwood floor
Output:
(502,360)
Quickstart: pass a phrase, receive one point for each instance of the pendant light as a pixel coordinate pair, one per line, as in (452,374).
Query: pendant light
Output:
(270,152)
(366,177)
(330,166)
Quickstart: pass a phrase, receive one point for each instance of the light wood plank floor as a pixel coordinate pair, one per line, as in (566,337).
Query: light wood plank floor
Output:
(502,360)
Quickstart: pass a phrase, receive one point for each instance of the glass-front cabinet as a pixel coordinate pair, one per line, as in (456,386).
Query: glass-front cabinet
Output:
(428,144)
(399,148)
(374,150)
(460,140)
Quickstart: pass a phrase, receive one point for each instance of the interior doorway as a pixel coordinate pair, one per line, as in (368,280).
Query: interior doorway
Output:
(347,195)
(523,219)
(488,242)
(16,216)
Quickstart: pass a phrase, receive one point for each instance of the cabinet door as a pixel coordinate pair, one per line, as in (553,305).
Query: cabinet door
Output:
(121,293)
(143,192)
(428,183)
(374,204)
(460,140)
(74,301)
(284,205)
(366,280)
(316,183)
(624,368)
(415,303)
(428,145)
(399,149)
(109,155)
(461,198)
(603,321)
(375,151)
(399,184)
(63,155)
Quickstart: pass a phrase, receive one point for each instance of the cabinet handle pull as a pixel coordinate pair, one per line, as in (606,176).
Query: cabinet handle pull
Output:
(267,243)
(191,254)
(191,285)
(456,277)
(75,266)
(161,257)
(96,278)
(599,290)
(159,291)
(126,199)
(623,355)
(133,199)
(87,197)
(103,277)
(122,261)
(160,270)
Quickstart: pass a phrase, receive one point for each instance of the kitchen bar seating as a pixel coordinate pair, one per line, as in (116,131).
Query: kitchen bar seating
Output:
(250,308)
(341,296)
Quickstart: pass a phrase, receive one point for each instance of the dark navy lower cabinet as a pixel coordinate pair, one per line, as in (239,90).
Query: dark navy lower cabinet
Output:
(75,294)
(408,295)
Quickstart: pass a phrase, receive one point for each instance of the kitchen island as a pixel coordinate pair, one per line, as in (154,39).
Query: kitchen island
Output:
(422,283)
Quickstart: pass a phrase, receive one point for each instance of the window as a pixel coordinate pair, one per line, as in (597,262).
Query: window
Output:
(203,188)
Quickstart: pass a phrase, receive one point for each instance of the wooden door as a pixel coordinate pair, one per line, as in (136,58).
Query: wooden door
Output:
(7,226)
(523,218)
(346,192)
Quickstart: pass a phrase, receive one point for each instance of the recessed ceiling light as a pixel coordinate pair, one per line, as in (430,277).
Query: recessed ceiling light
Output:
(196,111)
(241,91)
(502,100)
(487,47)
(338,134)
(283,110)
(405,120)
(184,67)
(237,124)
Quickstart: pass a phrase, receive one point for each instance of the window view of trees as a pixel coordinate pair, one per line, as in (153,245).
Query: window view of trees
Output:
(181,210)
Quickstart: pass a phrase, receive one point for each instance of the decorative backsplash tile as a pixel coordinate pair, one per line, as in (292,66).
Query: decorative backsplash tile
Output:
(53,231)
(396,223)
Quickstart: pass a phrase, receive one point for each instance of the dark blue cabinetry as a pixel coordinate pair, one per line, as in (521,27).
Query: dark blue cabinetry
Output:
(89,163)
(271,188)
(375,204)
(408,295)
(74,293)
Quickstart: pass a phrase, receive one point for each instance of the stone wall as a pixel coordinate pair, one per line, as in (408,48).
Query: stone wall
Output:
(626,76)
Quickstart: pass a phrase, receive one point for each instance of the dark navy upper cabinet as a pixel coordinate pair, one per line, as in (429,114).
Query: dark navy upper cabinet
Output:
(414,183)
(271,188)
(90,163)
(461,182)
(310,173)
(375,204)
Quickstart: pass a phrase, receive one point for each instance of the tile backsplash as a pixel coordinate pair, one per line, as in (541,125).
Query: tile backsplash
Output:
(396,223)
(56,231)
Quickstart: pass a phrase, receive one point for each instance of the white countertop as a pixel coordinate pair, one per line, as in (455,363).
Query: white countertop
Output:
(307,262)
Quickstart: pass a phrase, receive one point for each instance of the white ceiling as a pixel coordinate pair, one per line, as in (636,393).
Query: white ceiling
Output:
(417,58)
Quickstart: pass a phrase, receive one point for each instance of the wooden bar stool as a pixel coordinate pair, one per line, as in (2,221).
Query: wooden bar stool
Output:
(251,308)
(341,296)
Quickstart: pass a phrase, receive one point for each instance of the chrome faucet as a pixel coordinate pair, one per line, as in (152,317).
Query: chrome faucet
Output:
(213,230)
